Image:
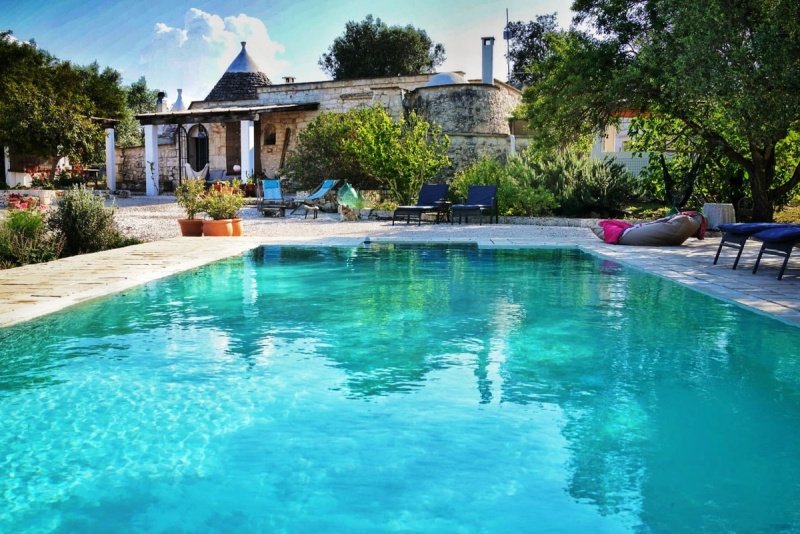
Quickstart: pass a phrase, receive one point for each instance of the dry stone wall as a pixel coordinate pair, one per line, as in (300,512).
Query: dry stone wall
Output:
(466,149)
(468,108)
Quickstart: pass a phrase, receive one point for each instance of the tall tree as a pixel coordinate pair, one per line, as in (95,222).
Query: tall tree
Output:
(371,49)
(729,71)
(47,105)
(528,47)
(138,99)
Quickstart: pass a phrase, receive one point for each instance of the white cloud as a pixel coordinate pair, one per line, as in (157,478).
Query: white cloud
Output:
(195,56)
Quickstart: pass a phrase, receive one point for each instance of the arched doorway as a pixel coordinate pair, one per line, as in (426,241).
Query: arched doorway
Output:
(197,147)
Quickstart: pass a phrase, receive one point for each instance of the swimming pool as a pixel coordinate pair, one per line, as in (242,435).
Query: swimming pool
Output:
(385,388)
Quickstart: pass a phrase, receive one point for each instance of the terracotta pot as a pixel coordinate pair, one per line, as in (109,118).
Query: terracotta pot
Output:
(191,227)
(220,228)
(238,227)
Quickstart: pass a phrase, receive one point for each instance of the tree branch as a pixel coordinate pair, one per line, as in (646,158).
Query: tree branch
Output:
(720,142)
(791,184)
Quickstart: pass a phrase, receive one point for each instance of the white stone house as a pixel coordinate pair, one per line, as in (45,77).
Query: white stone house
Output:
(249,122)
(614,143)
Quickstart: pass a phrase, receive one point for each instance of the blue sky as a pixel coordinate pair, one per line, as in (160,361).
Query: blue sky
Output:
(189,44)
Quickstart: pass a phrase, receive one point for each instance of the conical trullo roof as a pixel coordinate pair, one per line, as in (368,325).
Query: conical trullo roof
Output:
(241,81)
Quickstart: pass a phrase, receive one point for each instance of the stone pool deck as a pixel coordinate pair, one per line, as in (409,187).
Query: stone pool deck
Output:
(36,290)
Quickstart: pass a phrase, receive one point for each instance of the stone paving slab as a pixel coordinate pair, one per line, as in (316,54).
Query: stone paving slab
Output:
(36,290)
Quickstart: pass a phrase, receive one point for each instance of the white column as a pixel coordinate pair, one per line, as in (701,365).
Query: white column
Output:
(151,160)
(111,167)
(248,141)
(7,165)
(512,145)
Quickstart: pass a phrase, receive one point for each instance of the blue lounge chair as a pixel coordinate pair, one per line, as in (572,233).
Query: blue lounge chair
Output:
(313,198)
(778,242)
(271,197)
(735,235)
(481,199)
(431,200)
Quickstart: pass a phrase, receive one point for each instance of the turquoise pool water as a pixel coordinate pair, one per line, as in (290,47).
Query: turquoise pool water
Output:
(402,389)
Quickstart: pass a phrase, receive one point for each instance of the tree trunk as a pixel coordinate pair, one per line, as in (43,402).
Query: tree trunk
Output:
(761,178)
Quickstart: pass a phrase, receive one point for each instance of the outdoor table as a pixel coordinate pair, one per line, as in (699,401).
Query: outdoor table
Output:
(442,211)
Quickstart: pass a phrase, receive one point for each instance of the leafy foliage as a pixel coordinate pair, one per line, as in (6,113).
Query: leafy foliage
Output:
(138,99)
(518,190)
(224,203)
(24,239)
(85,224)
(321,153)
(189,196)
(370,150)
(586,186)
(46,104)
(529,46)
(727,73)
(401,155)
(371,49)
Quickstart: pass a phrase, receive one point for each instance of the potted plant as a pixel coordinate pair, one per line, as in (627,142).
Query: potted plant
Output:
(189,196)
(384,210)
(249,186)
(222,206)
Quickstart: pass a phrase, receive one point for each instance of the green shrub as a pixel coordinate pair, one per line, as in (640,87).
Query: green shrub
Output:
(24,239)
(585,186)
(370,150)
(321,153)
(401,155)
(84,222)
(517,191)
(385,205)
(26,222)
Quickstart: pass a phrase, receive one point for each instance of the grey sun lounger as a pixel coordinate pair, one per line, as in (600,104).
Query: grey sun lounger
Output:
(431,199)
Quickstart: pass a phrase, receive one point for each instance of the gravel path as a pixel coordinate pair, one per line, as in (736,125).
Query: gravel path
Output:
(154,218)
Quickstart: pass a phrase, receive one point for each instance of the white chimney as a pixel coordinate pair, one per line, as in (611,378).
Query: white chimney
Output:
(488,57)
(288,79)
(178,105)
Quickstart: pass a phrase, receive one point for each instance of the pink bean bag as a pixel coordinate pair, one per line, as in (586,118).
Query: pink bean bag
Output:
(668,231)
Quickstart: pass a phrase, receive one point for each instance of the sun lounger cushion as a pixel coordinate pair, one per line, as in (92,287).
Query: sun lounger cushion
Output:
(748,228)
(779,234)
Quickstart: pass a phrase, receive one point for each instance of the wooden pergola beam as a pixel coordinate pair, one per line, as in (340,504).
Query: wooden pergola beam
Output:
(219,115)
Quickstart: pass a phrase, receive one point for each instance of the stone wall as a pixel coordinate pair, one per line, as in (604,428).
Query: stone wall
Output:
(130,166)
(466,149)
(293,121)
(467,108)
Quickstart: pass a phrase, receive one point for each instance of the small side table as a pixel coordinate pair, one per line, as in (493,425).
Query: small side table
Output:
(717,214)
(442,211)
